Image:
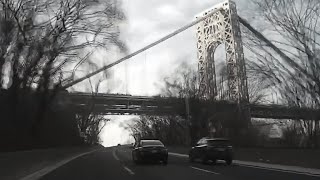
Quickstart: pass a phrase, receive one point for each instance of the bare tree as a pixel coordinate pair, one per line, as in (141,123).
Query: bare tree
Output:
(47,36)
(42,39)
(294,70)
(183,83)
(255,87)
(169,129)
(89,123)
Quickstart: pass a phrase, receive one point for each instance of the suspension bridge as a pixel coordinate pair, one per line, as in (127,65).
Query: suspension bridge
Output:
(218,25)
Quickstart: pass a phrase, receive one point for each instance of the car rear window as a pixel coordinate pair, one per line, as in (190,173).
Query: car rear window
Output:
(219,142)
(151,143)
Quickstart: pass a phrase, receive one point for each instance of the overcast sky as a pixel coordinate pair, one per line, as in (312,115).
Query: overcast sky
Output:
(147,21)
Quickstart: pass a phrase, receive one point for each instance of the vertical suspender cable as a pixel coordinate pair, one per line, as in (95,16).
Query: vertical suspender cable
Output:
(126,65)
(126,76)
(145,70)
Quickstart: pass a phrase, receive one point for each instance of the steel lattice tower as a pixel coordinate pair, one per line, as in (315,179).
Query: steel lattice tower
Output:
(223,27)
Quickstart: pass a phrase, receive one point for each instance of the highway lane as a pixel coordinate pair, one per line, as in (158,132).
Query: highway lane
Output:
(97,165)
(116,163)
(176,169)
(179,167)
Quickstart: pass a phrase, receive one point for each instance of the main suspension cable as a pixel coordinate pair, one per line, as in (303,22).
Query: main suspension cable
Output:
(142,49)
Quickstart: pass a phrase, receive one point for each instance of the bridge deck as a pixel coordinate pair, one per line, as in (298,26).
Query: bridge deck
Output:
(127,104)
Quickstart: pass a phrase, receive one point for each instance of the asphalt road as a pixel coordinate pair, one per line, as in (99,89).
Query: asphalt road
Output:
(116,163)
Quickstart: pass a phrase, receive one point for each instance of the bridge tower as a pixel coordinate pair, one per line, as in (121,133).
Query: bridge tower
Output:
(222,27)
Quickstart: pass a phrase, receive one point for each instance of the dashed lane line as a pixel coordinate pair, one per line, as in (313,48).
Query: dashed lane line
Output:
(129,170)
(115,156)
(125,167)
(204,170)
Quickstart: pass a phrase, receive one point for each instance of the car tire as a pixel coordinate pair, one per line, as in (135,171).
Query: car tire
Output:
(135,159)
(165,162)
(138,161)
(229,162)
(191,158)
(204,159)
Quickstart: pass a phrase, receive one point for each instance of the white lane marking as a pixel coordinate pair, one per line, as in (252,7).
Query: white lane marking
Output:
(125,167)
(280,170)
(114,155)
(129,170)
(204,170)
(46,170)
(179,155)
(260,167)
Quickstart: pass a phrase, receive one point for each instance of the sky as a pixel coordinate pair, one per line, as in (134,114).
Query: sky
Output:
(115,132)
(148,21)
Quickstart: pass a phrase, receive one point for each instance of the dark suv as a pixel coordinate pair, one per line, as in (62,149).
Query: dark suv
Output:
(212,149)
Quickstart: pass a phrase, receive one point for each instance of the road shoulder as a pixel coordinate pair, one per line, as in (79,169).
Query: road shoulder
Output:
(35,163)
(274,167)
